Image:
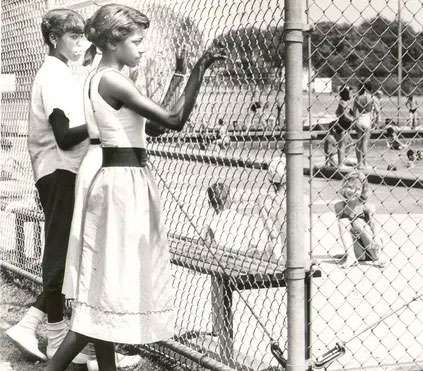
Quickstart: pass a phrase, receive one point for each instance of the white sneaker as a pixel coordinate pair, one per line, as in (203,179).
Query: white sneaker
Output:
(23,334)
(26,341)
(81,359)
(122,361)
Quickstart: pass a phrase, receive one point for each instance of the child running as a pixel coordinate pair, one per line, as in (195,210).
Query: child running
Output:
(56,143)
(123,289)
(356,225)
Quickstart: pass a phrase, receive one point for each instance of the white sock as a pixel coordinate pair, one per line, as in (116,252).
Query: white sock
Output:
(56,332)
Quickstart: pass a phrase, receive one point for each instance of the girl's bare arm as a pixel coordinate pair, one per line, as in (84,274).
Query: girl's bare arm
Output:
(115,87)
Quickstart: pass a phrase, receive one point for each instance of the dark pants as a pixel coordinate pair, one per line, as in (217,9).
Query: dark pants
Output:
(57,196)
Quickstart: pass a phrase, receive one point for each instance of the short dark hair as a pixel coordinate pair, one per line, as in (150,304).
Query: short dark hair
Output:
(113,23)
(60,21)
(218,194)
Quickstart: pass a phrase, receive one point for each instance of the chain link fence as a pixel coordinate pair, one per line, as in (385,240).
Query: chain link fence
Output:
(225,219)
(369,315)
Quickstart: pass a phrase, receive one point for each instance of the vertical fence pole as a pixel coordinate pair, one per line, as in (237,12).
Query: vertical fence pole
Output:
(399,59)
(295,273)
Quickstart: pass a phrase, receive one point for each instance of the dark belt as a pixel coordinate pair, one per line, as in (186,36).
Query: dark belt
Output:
(95,141)
(120,156)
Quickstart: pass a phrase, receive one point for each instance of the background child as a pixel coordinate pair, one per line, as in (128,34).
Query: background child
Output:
(412,106)
(356,225)
(362,110)
(233,231)
(273,209)
(330,145)
(345,119)
(224,139)
(124,289)
(411,157)
(377,110)
(56,143)
(393,141)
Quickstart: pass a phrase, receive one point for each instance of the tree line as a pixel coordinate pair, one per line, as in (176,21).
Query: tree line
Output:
(345,52)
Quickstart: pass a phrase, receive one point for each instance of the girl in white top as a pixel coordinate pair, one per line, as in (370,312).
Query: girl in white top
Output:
(123,291)
(90,165)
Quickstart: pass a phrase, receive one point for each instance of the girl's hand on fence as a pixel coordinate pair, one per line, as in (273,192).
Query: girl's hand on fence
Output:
(217,52)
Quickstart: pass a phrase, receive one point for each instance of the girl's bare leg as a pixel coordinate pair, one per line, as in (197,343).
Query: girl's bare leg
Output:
(105,352)
(348,243)
(363,230)
(358,147)
(364,147)
(367,237)
(71,346)
(341,148)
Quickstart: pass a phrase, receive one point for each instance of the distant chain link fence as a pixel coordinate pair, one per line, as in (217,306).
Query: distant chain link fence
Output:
(229,266)
(372,314)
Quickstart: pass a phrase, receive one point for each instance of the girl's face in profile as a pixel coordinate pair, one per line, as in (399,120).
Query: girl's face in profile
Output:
(71,46)
(131,49)
(352,189)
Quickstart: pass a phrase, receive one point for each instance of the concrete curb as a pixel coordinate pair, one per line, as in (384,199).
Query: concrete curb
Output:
(381,177)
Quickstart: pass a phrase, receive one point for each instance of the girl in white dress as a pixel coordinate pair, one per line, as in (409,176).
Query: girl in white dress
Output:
(123,292)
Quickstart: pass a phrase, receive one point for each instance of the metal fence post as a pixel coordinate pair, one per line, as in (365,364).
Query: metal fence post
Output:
(295,209)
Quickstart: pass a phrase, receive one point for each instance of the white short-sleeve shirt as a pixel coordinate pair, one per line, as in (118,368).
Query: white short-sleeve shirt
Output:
(55,86)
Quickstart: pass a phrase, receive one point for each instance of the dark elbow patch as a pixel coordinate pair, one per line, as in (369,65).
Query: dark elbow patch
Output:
(58,116)
(60,124)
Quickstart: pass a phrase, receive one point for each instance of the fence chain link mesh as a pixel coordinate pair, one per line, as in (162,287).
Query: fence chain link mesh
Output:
(373,313)
(228,265)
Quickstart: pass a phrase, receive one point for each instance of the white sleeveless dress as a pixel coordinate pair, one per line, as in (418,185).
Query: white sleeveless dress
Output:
(124,288)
